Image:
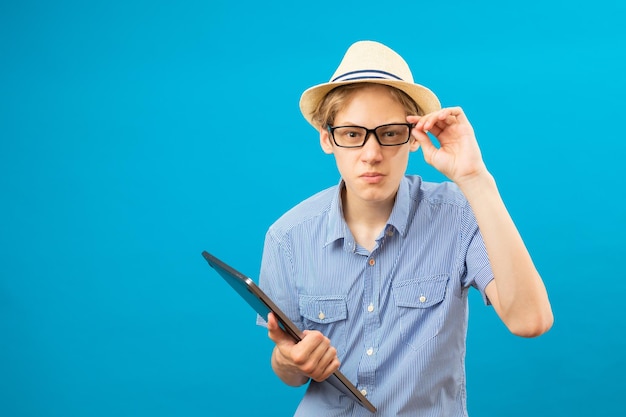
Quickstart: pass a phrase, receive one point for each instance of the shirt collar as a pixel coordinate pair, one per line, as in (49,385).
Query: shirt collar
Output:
(399,217)
(337,227)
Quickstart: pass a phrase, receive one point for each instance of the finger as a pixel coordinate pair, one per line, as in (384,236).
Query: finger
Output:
(332,367)
(447,121)
(425,140)
(420,126)
(461,117)
(306,354)
(323,361)
(275,332)
(327,366)
(272,323)
(418,121)
(437,128)
(426,123)
(271,320)
(437,121)
(432,133)
(428,148)
(458,114)
(413,119)
(442,119)
(457,111)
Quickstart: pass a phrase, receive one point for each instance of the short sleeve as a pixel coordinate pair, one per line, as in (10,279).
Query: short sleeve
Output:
(476,261)
(276,277)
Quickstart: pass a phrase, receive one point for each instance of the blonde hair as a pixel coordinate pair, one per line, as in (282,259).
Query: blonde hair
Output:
(328,108)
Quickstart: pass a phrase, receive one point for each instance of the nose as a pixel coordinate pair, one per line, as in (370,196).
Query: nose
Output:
(371,152)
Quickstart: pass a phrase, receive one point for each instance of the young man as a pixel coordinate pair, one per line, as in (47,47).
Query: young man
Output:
(376,270)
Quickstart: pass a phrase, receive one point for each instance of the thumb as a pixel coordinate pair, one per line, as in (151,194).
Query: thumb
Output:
(428,148)
(276,333)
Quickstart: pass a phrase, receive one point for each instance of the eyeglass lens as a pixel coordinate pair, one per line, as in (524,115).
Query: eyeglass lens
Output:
(387,135)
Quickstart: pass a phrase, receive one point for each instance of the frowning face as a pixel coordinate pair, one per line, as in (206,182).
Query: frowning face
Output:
(372,173)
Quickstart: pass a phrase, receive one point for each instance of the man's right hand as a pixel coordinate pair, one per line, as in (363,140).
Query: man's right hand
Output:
(312,357)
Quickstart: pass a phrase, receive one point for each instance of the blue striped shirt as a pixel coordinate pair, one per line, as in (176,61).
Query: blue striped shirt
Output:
(398,314)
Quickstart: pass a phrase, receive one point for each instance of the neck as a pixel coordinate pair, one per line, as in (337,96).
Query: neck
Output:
(366,219)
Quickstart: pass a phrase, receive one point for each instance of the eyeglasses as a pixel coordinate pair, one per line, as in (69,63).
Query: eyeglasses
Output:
(393,134)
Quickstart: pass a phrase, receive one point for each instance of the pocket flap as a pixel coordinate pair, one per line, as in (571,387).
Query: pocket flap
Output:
(420,292)
(323,309)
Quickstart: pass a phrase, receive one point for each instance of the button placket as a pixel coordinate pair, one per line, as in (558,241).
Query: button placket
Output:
(371,322)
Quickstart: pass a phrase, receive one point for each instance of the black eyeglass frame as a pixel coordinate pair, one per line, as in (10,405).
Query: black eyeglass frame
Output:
(331,130)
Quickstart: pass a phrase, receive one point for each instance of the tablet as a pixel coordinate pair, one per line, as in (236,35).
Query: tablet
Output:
(263,305)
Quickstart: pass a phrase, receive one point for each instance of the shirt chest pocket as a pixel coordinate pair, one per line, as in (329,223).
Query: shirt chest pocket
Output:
(327,314)
(419,306)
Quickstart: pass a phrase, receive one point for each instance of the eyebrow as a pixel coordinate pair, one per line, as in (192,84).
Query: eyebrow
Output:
(358,125)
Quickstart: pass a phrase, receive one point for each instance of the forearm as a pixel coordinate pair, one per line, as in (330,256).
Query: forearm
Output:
(519,295)
(288,374)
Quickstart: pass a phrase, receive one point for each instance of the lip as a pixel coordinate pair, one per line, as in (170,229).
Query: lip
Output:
(372,177)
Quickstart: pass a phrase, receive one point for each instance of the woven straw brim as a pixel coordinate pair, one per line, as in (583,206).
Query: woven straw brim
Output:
(425,99)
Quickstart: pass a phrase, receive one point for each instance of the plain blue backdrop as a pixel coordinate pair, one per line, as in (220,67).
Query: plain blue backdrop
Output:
(135,134)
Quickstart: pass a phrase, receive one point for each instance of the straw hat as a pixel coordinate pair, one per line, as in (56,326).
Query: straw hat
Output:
(372,62)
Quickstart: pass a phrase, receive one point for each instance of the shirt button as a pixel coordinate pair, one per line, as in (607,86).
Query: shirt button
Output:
(389,232)
(364,392)
(372,262)
(370,308)
(370,351)
(321,316)
(422,299)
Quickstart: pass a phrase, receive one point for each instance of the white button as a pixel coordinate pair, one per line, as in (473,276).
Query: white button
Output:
(370,308)
(364,392)
(422,299)
(370,351)
(321,316)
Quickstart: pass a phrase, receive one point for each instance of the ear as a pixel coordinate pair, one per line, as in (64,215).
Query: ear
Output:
(325,141)
(414,144)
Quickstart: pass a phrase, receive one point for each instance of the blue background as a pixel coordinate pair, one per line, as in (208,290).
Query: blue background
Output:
(114,177)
